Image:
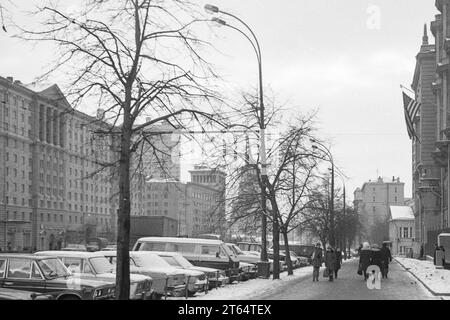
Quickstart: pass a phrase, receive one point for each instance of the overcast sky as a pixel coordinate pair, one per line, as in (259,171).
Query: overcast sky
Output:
(346,58)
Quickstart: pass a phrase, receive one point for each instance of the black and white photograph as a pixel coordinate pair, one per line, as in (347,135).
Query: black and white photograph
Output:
(217,158)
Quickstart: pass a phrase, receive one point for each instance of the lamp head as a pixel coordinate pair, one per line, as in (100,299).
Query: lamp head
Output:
(219,21)
(209,8)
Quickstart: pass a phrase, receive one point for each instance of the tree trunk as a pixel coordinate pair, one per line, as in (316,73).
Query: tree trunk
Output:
(276,248)
(288,254)
(123,220)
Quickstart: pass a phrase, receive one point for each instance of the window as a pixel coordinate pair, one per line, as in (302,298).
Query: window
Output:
(2,268)
(35,274)
(182,247)
(86,267)
(210,250)
(73,264)
(19,269)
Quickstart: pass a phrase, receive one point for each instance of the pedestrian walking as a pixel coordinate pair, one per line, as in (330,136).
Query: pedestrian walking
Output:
(386,258)
(443,254)
(436,248)
(316,261)
(330,262)
(376,255)
(338,262)
(365,258)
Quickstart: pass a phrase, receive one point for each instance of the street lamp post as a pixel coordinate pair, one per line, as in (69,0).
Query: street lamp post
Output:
(213,9)
(331,231)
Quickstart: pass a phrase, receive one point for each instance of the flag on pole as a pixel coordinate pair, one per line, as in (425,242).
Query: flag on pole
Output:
(411,108)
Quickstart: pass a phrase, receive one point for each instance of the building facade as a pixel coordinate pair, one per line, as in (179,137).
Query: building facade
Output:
(50,194)
(431,161)
(425,174)
(372,202)
(198,206)
(402,231)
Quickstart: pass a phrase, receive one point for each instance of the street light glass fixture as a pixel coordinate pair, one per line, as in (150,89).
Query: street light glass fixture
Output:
(219,21)
(209,8)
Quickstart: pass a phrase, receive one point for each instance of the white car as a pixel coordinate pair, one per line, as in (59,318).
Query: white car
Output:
(216,277)
(166,279)
(94,266)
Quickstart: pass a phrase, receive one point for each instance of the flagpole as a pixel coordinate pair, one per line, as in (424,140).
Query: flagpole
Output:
(403,87)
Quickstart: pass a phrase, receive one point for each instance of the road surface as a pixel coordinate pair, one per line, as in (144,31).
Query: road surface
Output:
(350,286)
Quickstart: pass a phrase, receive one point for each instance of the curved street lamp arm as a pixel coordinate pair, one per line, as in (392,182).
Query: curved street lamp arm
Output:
(257,52)
(246,25)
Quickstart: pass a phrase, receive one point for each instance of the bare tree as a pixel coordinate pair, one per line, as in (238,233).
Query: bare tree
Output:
(132,59)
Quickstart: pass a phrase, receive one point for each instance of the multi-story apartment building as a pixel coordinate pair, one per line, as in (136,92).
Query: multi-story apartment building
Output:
(372,202)
(198,205)
(51,185)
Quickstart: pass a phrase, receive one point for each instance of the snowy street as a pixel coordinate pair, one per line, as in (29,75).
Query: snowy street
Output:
(349,286)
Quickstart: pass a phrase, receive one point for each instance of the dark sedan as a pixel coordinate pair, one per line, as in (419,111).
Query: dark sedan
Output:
(49,275)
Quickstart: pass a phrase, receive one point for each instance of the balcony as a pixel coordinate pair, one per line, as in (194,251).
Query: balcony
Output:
(440,155)
(443,66)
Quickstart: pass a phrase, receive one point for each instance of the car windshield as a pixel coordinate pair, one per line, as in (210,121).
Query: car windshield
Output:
(150,260)
(183,261)
(53,268)
(237,249)
(101,265)
(227,250)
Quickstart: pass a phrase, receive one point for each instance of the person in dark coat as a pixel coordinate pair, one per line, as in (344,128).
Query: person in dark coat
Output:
(436,248)
(338,262)
(330,262)
(359,249)
(365,258)
(376,256)
(386,257)
(316,261)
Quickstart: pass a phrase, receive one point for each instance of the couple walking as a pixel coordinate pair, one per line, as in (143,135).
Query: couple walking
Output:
(372,255)
(332,259)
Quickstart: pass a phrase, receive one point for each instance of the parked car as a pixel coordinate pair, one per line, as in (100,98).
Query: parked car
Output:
(95,266)
(247,262)
(250,246)
(110,247)
(166,279)
(74,247)
(200,252)
(216,277)
(45,274)
(11,294)
(301,250)
(96,244)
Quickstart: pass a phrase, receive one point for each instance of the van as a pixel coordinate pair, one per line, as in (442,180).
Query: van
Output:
(200,252)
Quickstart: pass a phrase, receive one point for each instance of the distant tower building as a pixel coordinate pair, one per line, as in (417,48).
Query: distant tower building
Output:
(206,195)
(372,202)
(161,154)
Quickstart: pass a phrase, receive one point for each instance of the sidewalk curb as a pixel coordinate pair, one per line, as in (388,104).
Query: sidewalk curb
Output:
(423,283)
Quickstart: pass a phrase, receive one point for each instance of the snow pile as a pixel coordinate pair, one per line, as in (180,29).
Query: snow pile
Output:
(438,280)
(253,288)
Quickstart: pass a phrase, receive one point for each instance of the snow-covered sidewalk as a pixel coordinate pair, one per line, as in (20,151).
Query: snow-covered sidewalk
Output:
(436,280)
(256,287)
(252,288)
